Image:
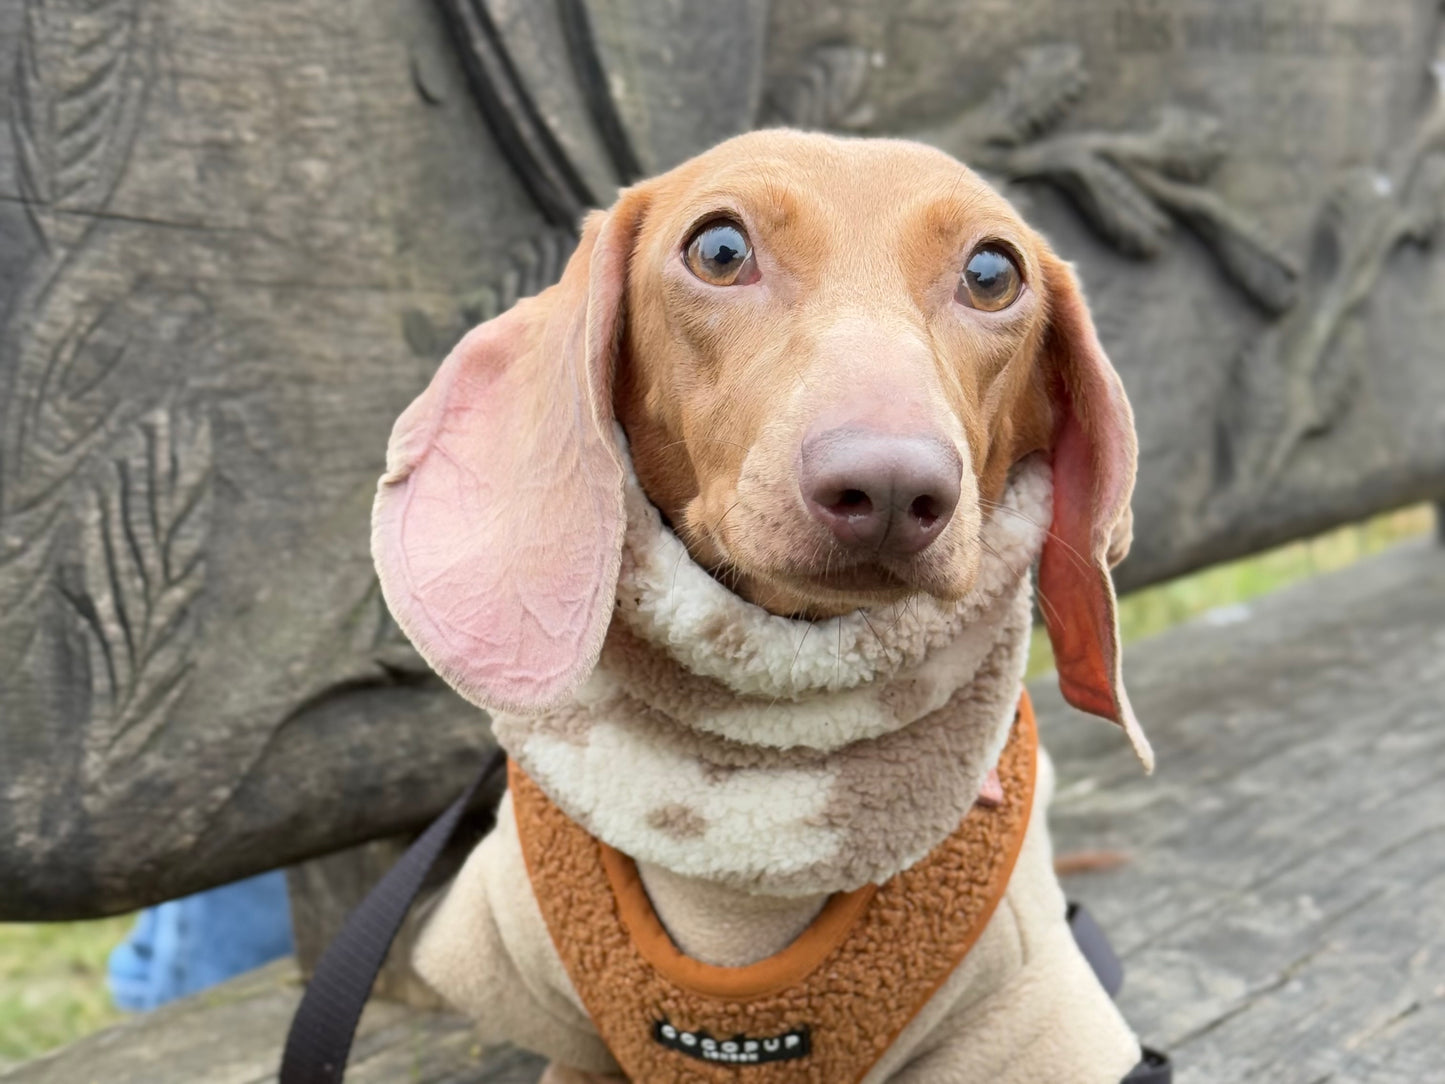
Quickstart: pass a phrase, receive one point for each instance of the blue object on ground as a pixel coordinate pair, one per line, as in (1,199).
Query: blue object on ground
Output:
(186,945)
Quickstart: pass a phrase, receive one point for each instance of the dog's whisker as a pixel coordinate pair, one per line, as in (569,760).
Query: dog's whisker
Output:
(886,654)
(1014,572)
(722,518)
(677,565)
(1050,609)
(807,628)
(709,440)
(1079,559)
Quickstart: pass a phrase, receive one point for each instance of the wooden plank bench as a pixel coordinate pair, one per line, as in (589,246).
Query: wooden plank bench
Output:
(222,283)
(1281,915)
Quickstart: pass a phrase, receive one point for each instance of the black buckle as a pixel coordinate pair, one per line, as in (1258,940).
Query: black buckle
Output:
(1154,1069)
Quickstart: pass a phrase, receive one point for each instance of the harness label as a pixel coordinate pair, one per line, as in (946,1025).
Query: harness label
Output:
(739,1050)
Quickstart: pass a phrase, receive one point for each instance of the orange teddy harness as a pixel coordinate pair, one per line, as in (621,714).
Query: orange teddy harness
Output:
(822,1010)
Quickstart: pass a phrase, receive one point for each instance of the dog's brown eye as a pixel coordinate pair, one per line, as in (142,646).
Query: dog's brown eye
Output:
(991,279)
(719,254)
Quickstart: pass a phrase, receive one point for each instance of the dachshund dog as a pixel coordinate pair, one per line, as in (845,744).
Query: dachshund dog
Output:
(731,531)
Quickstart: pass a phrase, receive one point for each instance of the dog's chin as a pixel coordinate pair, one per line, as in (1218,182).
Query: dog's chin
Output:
(812,580)
(821,593)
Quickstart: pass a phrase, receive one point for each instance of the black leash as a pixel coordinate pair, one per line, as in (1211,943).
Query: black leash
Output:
(319,1041)
(1155,1068)
(1095,946)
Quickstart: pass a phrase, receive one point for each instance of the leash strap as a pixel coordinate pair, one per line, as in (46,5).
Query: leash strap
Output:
(319,1041)
(1155,1068)
(1094,944)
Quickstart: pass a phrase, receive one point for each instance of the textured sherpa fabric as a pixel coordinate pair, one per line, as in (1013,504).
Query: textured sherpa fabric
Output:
(840,994)
(1022,1007)
(780,756)
(795,760)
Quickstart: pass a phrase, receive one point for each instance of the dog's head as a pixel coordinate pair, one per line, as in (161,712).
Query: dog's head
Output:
(827,355)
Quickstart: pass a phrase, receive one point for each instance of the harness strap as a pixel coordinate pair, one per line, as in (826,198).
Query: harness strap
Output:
(319,1041)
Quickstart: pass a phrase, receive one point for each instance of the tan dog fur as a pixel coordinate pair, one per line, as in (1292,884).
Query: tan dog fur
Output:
(855,304)
(860,245)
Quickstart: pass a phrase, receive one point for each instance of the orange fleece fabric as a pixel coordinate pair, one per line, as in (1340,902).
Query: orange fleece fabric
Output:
(825,1008)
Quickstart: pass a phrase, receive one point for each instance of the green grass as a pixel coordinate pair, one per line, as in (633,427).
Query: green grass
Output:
(52,984)
(52,977)
(1155,609)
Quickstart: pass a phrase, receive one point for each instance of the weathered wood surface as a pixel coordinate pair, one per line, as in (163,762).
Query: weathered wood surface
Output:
(219,226)
(1283,917)
(1283,914)
(233,1034)
(236,238)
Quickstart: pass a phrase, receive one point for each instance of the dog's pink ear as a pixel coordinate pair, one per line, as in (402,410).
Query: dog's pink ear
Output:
(1094,457)
(497,528)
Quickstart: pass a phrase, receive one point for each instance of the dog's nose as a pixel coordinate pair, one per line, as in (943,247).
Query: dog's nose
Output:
(881,492)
